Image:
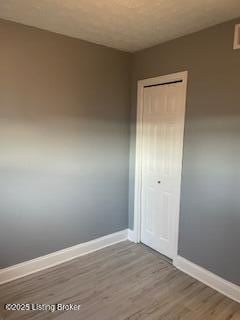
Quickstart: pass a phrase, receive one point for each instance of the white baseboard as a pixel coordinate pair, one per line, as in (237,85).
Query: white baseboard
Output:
(58,257)
(132,236)
(210,279)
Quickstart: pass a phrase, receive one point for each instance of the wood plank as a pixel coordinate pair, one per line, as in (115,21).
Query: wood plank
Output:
(121,282)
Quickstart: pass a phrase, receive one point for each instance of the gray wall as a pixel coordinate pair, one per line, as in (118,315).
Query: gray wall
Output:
(64,142)
(210,201)
(64,135)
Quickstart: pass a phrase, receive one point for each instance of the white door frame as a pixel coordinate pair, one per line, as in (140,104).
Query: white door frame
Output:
(138,161)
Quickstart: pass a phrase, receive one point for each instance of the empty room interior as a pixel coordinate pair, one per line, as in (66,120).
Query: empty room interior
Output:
(119,160)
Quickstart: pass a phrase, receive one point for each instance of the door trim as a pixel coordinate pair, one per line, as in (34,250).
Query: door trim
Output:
(138,160)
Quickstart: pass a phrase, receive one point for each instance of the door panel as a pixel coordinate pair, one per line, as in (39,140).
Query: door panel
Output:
(163,119)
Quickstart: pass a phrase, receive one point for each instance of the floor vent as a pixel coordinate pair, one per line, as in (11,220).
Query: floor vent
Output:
(237,37)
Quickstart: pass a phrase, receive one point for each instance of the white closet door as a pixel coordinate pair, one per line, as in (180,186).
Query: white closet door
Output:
(163,122)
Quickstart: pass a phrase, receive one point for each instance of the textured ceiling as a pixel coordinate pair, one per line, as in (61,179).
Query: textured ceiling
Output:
(129,25)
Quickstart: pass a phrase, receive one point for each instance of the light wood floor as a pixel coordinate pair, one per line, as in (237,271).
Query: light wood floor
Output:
(124,281)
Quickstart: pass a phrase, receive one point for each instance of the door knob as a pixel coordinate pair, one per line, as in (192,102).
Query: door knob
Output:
(159,181)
